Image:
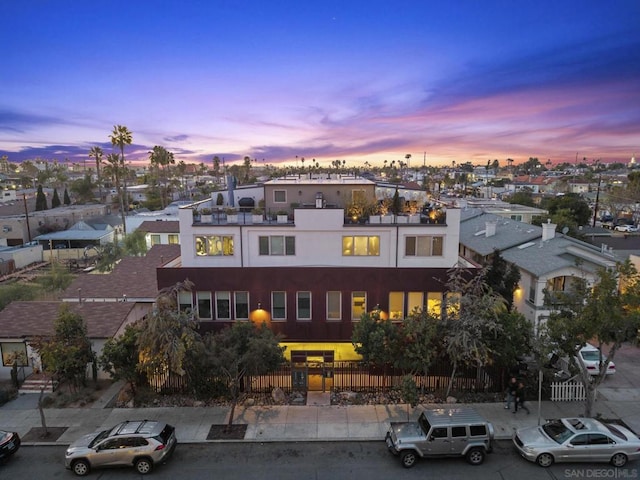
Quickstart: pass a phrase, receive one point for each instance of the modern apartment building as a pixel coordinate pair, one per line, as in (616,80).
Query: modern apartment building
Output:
(313,275)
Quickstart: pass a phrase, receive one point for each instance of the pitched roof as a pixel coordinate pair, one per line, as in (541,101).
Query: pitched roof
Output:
(509,233)
(30,319)
(162,226)
(133,277)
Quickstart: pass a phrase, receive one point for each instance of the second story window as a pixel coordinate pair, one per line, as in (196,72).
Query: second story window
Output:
(185,301)
(277,245)
(361,245)
(279,196)
(155,239)
(174,239)
(303,305)
(223,305)
(279,305)
(424,245)
(214,245)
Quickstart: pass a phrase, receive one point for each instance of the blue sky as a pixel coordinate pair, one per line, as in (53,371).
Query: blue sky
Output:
(363,81)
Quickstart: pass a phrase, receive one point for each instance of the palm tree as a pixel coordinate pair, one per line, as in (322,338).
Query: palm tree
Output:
(96,152)
(120,137)
(160,159)
(115,168)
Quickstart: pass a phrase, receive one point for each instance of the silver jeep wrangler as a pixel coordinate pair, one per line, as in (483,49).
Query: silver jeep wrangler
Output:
(442,432)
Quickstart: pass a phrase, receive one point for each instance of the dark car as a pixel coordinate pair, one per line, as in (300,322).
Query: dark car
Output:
(9,444)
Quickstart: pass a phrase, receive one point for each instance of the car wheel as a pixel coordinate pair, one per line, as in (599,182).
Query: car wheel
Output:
(545,460)
(619,460)
(408,458)
(81,467)
(475,456)
(143,466)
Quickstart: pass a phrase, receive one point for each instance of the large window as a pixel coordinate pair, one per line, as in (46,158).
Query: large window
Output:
(174,239)
(204,305)
(277,245)
(278,305)
(280,196)
(334,305)
(13,352)
(223,305)
(155,239)
(242,305)
(303,305)
(415,300)
(396,305)
(214,245)
(358,245)
(185,301)
(434,303)
(358,305)
(423,245)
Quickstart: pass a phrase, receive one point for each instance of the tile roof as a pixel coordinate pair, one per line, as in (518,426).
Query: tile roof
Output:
(162,226)
(29,319)
(133,277)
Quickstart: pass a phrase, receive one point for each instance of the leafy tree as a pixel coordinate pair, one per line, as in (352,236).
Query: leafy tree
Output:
(472,323)
(375,339)
(242,350)
(135,244)
(67,353)
(41,200)
(66,200)
(502,277)
(55,200)
(120,137)
(574,206)
(161,159)
(605,313)
(514,341)
(521,198)
(82,189)
(110,254)
(168,333)
(120,357)
(416,342)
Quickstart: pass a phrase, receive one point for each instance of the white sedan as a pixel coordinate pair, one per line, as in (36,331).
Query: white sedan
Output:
(626,228)
(577,440)
(589,357)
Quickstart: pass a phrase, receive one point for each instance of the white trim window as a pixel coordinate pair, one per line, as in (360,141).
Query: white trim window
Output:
(223,305)
(204,305)
(358,305)
(241,304)
(278,305)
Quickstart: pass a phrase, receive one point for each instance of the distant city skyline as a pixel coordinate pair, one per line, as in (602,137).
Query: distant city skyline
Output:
(444,82)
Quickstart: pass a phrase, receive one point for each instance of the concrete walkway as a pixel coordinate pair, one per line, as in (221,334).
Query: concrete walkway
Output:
(316,421)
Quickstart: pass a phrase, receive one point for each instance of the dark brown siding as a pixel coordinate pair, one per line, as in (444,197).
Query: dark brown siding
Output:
(260,282)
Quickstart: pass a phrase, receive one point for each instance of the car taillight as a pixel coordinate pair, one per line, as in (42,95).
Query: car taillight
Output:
(591,367)
(160,447)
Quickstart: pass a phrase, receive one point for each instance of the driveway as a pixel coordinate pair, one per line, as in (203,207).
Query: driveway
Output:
(624,385)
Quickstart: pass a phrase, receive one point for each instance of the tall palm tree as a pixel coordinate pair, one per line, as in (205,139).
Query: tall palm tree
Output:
(120,137)
(96,152)
(115,169)
(160,159)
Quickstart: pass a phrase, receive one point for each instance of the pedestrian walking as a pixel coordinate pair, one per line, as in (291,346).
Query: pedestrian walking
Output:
(520,399)
(512,388)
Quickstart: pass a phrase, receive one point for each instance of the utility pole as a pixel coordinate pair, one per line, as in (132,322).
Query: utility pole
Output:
(26,214)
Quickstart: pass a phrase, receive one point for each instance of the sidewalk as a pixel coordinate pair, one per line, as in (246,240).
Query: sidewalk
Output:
(316,421)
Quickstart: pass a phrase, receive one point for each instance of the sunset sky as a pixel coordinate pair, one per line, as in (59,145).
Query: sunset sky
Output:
(461,80)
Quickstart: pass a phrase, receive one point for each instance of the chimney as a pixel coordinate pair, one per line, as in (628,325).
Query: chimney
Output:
(490,228)
(548,230)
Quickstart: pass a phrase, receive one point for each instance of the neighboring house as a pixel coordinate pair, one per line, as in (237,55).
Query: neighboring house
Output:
(510,211)
(73,242)
(546,260)
(312,277)
(21,322)
(160,232)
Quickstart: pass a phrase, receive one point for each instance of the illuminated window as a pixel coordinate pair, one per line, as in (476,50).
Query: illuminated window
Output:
(204,305)
(358,305)
(14,352)
(452,300)
(278,305)
(214,245)
(174,239)
(280,196)
(434,303)
(334,305)
(155,239)
(223,305)
(396,305)
(423,246)
(277,245)
(185,301)
(361,245)
(303,305)
(242,305)
(415,301)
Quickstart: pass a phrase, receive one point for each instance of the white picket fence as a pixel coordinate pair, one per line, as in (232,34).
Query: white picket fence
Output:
(569,391)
